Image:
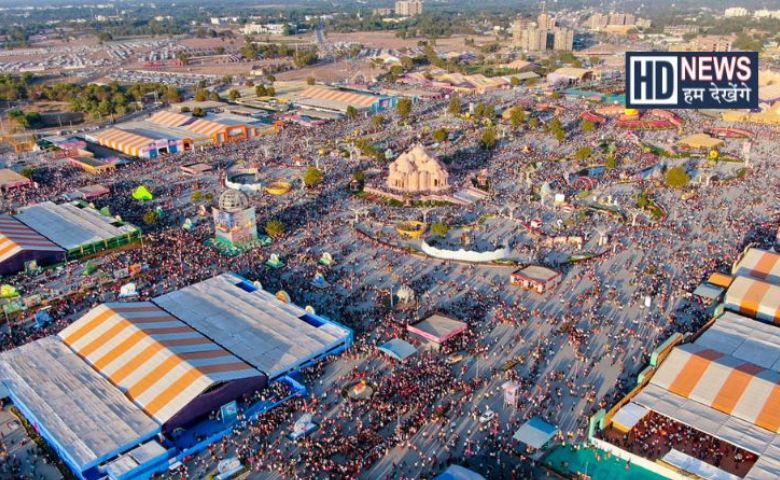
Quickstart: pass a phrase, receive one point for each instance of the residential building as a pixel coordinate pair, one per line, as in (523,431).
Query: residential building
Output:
(736,12)
(764,13)
(408,8)
(680,30)
(563,39)
(534,39)
(545,21)
(518,26)
(268,28)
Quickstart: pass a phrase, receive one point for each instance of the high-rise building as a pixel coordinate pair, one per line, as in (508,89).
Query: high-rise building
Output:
(545,21)
(563,39)
(408,8)
(534,39)
(518,26)
(617,19)
(598,21)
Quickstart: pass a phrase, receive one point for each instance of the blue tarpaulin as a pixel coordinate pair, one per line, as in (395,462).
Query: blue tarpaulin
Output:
(456,472)
(398,349)
(535,433)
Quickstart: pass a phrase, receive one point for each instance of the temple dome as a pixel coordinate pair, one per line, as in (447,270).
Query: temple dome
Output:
(233,201)
(417,171)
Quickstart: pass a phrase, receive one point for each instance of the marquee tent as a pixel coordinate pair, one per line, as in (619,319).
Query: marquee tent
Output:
(628,416)
(535,433)
(77,227)
(161,363)
(19,244)
(78,411)
(438,328)
(456,472)
(723,382)
(272,336)
(398,349)
(10,179)
(759,264)
(760,300)
(697,467)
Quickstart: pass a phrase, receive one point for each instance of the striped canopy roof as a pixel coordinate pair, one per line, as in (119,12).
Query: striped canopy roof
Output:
(759,264)
(357,100)
(169,119)
(205,127)
(760,300)
(121,140)
(723,382)
(16,237)
(157,360)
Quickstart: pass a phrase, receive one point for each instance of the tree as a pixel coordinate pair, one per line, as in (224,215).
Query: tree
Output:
(611,162)
(514,81)
(453,108)
(249,51)
(404,108)
(196,196)
(185,109)
(555,95)
(440,134)
(274,228)
(183,57)
(198,112)
(312,177)
(310,81)
(172,94)
(582,153)
(151,217)
(271,91)
(556,129)
(677,177)
(201,95)
(27,173)
(517,117)
(261,91)
(234,94)
(642,200)
(533,123)
(488,138)
(214,96)
(359,176)
(440,229)
(351,112)
(377,121)
(587,126)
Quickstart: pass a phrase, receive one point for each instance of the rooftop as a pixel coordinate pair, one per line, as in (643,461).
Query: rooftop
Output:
(72,402)
(272,336)
(71,226)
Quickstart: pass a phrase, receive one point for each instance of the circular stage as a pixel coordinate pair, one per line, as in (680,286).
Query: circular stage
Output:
(243,179)
(278,188)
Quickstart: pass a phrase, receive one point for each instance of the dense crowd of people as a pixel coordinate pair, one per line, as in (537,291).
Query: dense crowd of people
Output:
(576,348)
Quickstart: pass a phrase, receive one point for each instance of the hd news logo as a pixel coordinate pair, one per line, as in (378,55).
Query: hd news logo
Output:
(705,80)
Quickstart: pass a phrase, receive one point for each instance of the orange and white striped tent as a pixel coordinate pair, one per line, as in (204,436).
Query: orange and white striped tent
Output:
(759,264)
(357,100)
(169,119)
(755,298)
(160,362)
(16,237)
(125,142)
(730,385)
(205,127)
